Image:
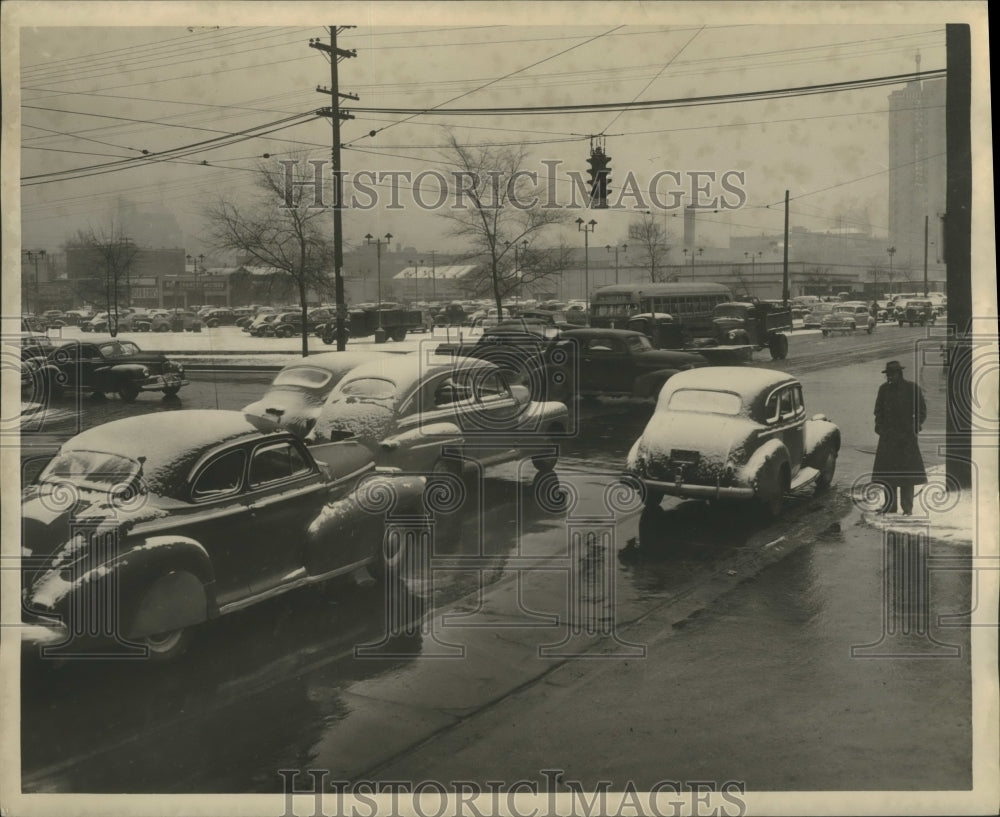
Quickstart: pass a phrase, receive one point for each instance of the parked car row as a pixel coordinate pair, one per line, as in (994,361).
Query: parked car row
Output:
(213,511)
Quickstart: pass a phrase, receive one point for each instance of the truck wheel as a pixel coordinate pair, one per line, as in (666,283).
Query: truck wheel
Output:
(128,392)
(778,347)
(398,335)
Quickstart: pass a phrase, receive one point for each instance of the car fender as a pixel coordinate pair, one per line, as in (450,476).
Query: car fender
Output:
(162,584)
(649,384)
(764,461)
(817,434)
(437,434)
(127,371)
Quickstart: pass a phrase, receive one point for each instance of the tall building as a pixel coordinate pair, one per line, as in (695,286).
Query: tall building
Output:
(917,169)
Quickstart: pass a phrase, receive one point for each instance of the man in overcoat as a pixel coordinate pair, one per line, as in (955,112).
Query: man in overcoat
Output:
(900,412)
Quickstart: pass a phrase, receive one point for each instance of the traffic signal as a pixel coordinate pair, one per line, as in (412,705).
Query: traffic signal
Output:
(600,175)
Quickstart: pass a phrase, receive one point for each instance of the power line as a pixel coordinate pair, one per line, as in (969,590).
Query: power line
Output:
(679,102)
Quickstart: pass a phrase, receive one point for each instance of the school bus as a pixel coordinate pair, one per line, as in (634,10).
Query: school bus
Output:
(689,303)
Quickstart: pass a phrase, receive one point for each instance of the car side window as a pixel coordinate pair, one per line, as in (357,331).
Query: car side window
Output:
(221,477)
(276,462)
(797,401)
(771,414)
(787,404)
(491,387)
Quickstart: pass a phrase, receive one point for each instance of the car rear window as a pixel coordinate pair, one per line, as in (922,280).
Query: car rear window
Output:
(371,387)
(706,401)
(310,377)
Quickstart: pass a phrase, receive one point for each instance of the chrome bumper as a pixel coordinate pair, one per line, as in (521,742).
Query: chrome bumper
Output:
(687,489)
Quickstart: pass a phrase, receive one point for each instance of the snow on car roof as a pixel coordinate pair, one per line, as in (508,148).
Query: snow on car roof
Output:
(405,371)
(341,362)
(170,441)
(744,380)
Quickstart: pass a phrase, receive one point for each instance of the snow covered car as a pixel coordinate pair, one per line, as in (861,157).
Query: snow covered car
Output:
(733,433)
(296,395)
(430,416)
(140,529)
(117,366)
(847,318)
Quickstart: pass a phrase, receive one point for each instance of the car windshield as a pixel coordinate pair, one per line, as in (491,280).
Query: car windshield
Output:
(372,388)
(844,310)
(729,311)
(705,401)
(639,344)
(96,469)
(308,377)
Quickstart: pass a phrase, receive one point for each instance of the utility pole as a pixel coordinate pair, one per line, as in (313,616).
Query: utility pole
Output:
(925,255)
(336,115)
(784,268)
(33,256)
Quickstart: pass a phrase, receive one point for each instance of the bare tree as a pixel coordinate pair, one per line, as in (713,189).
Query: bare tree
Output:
(653,242)
(108,256)
(497,222)
(279,229)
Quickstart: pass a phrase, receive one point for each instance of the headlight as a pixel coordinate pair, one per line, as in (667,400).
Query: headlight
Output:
(145,371)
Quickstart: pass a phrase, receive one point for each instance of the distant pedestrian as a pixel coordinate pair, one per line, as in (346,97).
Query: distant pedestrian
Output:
(900,412)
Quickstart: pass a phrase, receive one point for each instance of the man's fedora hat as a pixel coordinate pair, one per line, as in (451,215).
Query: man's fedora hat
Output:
(893,366)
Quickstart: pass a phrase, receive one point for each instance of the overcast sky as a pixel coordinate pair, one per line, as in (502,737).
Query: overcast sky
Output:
(98,94)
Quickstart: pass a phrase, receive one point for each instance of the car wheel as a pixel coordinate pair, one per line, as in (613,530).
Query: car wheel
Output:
(546,462)
(771,493)
(327,339)
(825,333)
(171,391)
(869,329)
(212,324)
(128,392)
(399,335)
(827,469)
(901,323)
(167,646)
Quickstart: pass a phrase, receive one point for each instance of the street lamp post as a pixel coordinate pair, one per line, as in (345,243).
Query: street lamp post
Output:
(700,251)
(378,266)
(34,256)
(892,252)
(416,279)
(433,277)
(624,248)
(586,228)
(194,263)
(753,269)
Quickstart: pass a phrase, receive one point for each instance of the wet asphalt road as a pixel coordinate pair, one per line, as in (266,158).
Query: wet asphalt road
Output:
(746,630)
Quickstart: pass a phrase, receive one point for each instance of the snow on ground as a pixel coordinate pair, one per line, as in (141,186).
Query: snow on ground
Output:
(953,515)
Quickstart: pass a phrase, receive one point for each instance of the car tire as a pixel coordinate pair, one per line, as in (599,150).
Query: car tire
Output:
(547,462)
(827,468)
(778,347)
(167,646)
(399,335)
(171,391)
(901,323)
(825,333)
(128,392)
(212,324)
(772,499)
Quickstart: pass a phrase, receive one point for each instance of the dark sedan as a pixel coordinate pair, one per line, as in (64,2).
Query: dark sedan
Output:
(142,528)
(620,362)
(116,366)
